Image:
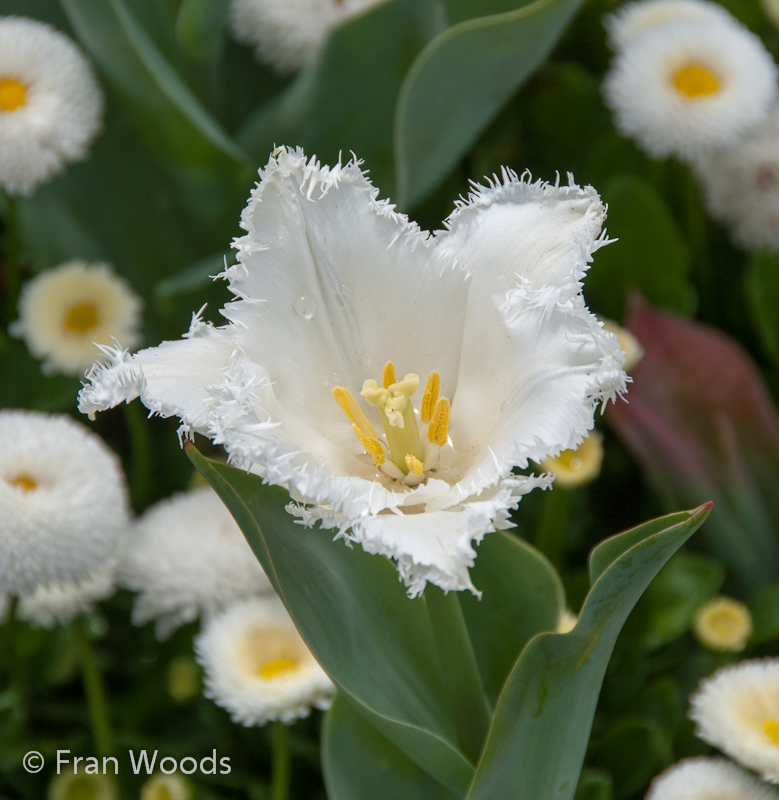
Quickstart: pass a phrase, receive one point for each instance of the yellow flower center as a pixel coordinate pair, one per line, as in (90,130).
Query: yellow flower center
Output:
(723,624)
(80,318)
(13,94)
(772,729)
(278,666)
(160,792)
(401,432)
(695,81)
(24,482)
(579,466)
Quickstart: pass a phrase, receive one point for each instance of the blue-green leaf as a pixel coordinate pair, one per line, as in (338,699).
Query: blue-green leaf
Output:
(460,81)
(542,722)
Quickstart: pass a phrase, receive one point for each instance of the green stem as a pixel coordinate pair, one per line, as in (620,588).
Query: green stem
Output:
(94,689)
(552,534)
(281,762)
(472,713)
(140,449)
(11,256)
(17,675)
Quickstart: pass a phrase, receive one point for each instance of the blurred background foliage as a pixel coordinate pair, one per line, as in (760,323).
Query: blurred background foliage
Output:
(430,94)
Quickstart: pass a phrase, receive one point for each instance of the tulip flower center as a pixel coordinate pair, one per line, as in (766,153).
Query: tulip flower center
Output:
(694,80)
(398,418)
(13,94)
(772,729)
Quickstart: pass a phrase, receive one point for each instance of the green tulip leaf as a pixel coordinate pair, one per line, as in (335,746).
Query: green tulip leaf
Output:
(542,722)
(460,81)
(351,609)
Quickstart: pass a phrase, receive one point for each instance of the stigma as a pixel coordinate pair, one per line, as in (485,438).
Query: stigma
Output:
(399,452)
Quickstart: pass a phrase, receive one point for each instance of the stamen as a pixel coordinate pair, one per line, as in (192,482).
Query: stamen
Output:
(348,404)
(414,464)
(430,397)
(371,445)
(388,375)
(438,429)
(772,729)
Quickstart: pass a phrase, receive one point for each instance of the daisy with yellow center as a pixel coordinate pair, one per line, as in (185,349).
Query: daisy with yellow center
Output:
(737,710)
(691,86)
(67,312)
(257,667)
(502,361)
(723,624)
(51,106)
(64,512)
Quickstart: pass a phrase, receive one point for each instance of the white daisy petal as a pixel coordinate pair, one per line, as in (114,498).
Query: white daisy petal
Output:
(691,87)
(708,779)
(257,667)
(334,292)
(741,186)
(634,19)
(289,34)
(51,106)
(737,710)
(188,557)
(63,501)
(65,313)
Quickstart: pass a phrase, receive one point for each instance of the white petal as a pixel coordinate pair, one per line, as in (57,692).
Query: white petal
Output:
(538,232)
(171,379)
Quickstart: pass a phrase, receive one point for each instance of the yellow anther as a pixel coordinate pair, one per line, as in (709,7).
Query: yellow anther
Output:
(414,464)
(348,404)
(772,729)
(438,429)
(430,397)
(388,375)
(371,445)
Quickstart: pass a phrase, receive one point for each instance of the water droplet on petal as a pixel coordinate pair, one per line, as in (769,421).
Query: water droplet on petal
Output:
(304,306)
(504,406)
(346,289)
(367,359)
(335,378)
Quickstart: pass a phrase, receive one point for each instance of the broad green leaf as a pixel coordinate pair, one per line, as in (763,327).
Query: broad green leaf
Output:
(761,284)
(358,762)
(344,102)
(353,612)
(521,596)
(542,722)
(163,107)
(651,254)
(461,10)
(460,81)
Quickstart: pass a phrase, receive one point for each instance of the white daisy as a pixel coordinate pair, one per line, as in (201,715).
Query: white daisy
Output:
(632,20)
(257,667)
(333,288)
(708,779)
(166,787)
(289,34)
(67,312)
(188,557)
(723,624)
(691,87)
(59,602)
(63,501)
(741,186)
(737,710)
(51,106)
(579,466)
